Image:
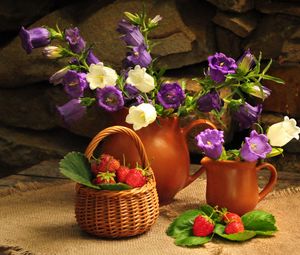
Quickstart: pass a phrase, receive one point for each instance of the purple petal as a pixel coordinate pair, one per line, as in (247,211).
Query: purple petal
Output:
(210,101)
(75,83)
(170,95)
(72,111)
(110,98)
(91,58)
(76,42)
(34,38)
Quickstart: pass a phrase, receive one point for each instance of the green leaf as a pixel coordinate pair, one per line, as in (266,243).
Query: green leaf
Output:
(192,240)
(76,167)
(115,186)
(272,78)
(275,152)
(261,222)
(182,226)
(210,212)
(242,236)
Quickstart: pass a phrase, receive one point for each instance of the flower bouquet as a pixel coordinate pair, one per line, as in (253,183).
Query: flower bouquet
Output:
(140,86)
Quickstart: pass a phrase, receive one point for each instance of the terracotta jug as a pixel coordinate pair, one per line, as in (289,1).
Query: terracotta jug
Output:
(167,150)
(233,184)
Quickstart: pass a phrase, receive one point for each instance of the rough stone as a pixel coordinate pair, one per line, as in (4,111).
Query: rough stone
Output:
(98,26)
(270,34)
(27,107)
(228,42)
(22,148)
(291,48)
(271,7)
(14,14)
(34,107)
(233,5)
(196,15)
(284,98)
(240,24)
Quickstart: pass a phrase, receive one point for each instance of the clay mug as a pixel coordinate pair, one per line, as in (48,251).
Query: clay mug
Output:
(233,184)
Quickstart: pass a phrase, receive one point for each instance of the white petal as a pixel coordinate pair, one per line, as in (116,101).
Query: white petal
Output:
(281,133)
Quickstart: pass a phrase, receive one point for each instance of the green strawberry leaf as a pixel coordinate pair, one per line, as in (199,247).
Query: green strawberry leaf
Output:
(182,226)
(76,167)
(114,186)
(192,240)
(242,236)
(261,222)
(210,212)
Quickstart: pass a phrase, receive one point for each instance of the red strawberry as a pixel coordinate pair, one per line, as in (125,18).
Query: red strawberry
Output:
(230,217)
(135,178)
(113,165)
(108,163)
(122,172)
(203,226)
(234,227)
(106,177)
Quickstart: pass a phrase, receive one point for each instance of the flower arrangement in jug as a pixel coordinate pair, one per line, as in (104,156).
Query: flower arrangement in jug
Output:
(257,146)
(140,85)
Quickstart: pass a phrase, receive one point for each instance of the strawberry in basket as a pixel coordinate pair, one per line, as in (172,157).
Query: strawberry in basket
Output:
(106,163)
(108,170)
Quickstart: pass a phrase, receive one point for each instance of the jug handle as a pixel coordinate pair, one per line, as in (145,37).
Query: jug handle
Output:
(272,180)
(185,130)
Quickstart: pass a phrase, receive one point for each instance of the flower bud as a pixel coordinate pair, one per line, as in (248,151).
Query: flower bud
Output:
(52,52)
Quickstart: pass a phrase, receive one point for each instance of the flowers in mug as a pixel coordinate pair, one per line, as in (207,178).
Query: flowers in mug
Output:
(257,146)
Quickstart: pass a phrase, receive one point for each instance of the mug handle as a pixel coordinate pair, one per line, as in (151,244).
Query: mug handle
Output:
(185,130)
(272,180)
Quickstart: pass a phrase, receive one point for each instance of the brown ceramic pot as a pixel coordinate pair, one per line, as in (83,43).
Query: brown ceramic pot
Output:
(233,184)
(166,147)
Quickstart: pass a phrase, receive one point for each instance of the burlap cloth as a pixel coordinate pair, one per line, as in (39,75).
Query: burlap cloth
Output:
(42,222)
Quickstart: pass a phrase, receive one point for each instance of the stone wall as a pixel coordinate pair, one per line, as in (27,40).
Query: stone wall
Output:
(189,32)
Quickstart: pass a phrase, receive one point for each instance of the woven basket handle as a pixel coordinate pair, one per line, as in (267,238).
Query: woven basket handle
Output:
(116,130)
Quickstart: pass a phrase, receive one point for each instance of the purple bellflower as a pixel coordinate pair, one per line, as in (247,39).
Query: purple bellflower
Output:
(139,56)
(91,58)
(131,91)
(74,83)
(125,27)
(76,42)
(72,111)
(255,147)
(210,141)
(210,101)
(170,95)
(219,66)
(133,37)
(247,114)
(57,78)
(110,98)
(34,38)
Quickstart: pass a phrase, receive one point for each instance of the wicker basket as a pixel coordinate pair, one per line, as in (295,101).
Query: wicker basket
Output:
(116,214)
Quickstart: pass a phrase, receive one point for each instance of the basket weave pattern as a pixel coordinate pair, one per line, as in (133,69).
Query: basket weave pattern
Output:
(116,214)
